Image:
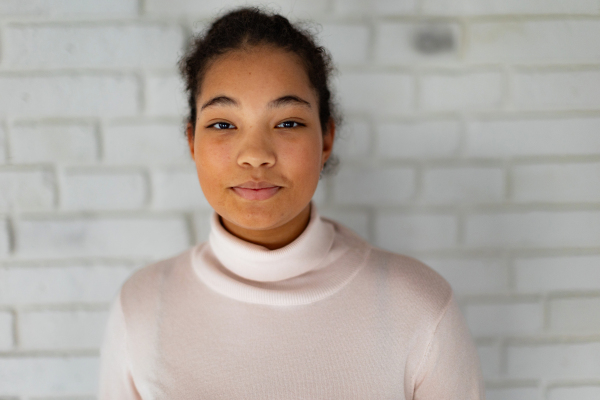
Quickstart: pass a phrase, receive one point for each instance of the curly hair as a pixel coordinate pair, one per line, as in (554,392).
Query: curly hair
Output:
(248,27)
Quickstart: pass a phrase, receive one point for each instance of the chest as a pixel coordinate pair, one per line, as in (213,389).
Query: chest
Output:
(232,351)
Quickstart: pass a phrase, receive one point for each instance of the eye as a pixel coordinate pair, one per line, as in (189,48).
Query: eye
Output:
(289,124)
(222,125)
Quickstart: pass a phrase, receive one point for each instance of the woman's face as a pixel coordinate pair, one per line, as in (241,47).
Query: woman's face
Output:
(258,143)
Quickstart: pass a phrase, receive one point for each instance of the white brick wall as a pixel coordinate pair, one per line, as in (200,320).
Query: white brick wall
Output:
(557,90)
(101,237)
(6,331)
(554,361)
(46,375)
(580,393)
(416,139)
(32,46)
(505,138)
(454,91)
(61,330)
(511,7)
(93,189)
(379,93)
(526,42)
(54,143)
(471,141)
(63,95)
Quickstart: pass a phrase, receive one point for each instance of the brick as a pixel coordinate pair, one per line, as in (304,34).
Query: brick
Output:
(379,7)
(472,276)
(504,319)
(4,238)
(461,91)
(2,144)
(356,221)
(375,93)
(335,38)
(157,143)
(92,46)
(534,229)
(527,41)
(463,185)
(178,189)
(418,139)
(574,392)
(312,9)
(202,225)
(374,186)
(520,393)
(557,90)
(6,330)
(103,237)
(550,274)
(50,284)
(50,8)
(575,316)
(320,195)
(26,189)
(409,42)
(27,375)
(61,330)
(489,357)
(104,190)
(354,140)
(68,95)
(556,183)
(57,143)
(165,96)
(533,137)
(554,361)
(416,232)
(511,7)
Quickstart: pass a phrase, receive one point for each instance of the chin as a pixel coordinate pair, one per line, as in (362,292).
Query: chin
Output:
(258,217)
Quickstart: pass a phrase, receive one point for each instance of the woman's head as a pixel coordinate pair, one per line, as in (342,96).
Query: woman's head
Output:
(261,122)
(251,27)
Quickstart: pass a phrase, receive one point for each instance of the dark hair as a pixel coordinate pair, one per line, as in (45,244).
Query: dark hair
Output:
(248,27)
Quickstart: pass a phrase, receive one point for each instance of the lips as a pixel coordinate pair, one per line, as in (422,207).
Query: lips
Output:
(256,190)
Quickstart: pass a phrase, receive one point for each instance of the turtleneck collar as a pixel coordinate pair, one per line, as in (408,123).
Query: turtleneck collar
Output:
(257,263)
(320,262)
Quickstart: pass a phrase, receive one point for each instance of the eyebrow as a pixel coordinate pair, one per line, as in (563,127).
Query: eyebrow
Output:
(279,102)
(288,100)
(220,101)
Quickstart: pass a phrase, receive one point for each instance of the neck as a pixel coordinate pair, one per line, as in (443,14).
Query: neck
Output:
(274,238)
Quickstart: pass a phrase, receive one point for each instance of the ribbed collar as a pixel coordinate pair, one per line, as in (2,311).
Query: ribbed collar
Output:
(319,263)
(257,263)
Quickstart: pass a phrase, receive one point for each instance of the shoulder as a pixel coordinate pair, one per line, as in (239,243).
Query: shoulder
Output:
(143,288)
(399,274)
(412,278)
(400,277)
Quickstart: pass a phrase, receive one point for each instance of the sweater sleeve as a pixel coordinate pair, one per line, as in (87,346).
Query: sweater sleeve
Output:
(116,381)
(450,367)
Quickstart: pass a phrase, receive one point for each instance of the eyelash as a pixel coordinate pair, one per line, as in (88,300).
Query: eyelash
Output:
(284,122)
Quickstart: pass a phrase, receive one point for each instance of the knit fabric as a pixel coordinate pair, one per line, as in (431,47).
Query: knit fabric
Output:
(326,317)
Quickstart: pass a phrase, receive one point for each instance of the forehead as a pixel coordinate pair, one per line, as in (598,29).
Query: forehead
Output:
(257,71)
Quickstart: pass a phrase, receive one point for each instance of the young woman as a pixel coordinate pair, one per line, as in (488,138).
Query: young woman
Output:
(280,303)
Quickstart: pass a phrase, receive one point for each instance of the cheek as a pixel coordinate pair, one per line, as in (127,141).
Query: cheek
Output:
(212,161)
(303,160)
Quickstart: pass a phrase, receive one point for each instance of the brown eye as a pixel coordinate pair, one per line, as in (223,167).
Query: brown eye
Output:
(222,125)
(288,124)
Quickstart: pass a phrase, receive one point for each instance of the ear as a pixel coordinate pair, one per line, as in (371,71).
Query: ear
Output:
(328,140)
(189,132)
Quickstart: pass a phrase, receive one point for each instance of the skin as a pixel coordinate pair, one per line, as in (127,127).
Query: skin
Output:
(260,140)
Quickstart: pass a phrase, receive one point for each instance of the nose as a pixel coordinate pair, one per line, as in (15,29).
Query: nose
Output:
(256,150)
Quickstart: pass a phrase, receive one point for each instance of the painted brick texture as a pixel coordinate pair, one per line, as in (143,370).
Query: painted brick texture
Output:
(471,141)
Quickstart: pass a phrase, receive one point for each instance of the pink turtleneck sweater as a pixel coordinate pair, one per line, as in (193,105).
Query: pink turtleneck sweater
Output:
(326,317)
